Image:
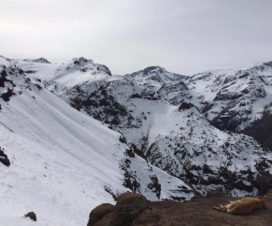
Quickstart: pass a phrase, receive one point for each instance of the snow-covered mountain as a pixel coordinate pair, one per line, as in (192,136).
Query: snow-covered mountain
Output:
(237,100)
(62,162)
(170,136)
(161,119)
(232,99)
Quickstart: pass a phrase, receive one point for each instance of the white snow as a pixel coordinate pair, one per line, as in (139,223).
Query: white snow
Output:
(60,161)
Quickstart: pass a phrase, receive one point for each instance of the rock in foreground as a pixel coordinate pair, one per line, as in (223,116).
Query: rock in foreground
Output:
(128,207)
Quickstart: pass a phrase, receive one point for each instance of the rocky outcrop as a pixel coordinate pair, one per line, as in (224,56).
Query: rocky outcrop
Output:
(128,207)
(13,80)
(6,84)
(104,107)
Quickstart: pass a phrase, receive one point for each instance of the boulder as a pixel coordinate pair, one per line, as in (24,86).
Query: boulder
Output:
(99,212)
(31,215)
(128,208)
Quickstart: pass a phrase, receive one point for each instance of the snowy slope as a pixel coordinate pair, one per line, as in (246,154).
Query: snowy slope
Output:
(62,161)
(56,157)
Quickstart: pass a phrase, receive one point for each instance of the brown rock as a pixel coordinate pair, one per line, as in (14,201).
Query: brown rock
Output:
(99,212)
(128,208)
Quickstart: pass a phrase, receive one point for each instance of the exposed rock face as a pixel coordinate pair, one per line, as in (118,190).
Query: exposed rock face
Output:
(110,112)
(10,88)
(150,181)
(6,84)
(205,167)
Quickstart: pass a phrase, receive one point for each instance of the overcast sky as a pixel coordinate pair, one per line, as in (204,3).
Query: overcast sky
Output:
(184,36)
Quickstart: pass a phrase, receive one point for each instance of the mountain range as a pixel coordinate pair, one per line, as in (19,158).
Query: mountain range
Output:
(76,135)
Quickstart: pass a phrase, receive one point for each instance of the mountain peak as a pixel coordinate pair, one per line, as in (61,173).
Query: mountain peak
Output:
(82,61)
(41,60)
(269,63)
(157,74)
(156,69)
(85,65)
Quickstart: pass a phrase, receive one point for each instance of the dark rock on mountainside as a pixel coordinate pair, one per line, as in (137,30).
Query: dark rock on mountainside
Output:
(185,106)
(130,178)
(31,215)
(4,158)
(104,107)
(198,211)
(8,88)
(7,95)
(3,78)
